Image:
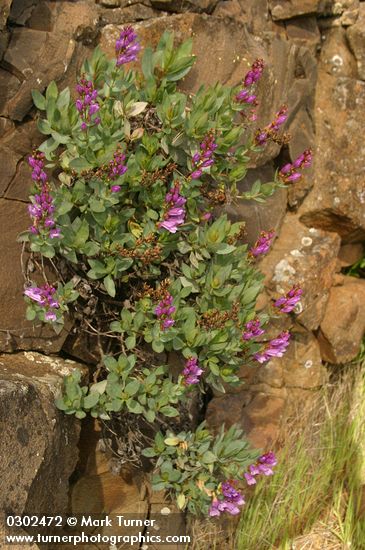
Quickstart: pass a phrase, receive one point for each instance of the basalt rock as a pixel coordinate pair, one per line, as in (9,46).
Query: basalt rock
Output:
(356,38)
(337,201)
(4,12)
(271,391)
(199,6)
(287,9)
(38,445)
(290,74)
(307,257)
(17,333)
(343,325)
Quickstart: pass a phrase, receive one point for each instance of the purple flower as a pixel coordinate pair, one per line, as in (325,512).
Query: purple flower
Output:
(263,243)
(192,371)
(250,478)
(247,95)
(288,173)
(262,466)
(269,459)
(203,159)
(217,507)
(255,73)
(116,166)
(262,136)
(87,105)
(164,310)
(175,211)
(231,501)
(252,329)
(127,46)
(36,161)
(206,216)
(115,188)
(287,303)
(251,78)
(50,316)
(44,296)
(42,208)
(274,348)
(196,174)
(36,294)
(55,233)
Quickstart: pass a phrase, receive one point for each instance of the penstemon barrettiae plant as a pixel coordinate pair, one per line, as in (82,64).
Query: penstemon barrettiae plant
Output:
(144,258)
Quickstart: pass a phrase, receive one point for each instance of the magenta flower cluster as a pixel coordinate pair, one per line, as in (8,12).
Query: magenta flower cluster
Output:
(289,173)
(127,46)
(204,158)
(262,136)
(164,312)
(252,330)
(263,466)
(263,243)
(87,105)
(287,303)
(246,95)
(231,501)
(175,212)
(116,169)
(42,208)
(44,296)
(191,372)
(274,348)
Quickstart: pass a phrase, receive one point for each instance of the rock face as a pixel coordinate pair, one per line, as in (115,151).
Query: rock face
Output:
(231,50)
(356,38)
(38,446)
(287,9)
(271,391)
(340,342)
(4,12)
(17,333)
(337,201)
(307,257)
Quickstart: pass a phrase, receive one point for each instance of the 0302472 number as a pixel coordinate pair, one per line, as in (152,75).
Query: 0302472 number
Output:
(34,521)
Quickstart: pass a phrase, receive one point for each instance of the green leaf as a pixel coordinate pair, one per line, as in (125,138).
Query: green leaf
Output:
(63,99)
(134,407)
(60,138)
(208,457)
(39,100)
(44,126)
(97,205)
(82,234)
(169,411)
(147,63)
(173,441)
(130,342)
(91,400)
(225,248)
(52,91)
(79,164)
(149,452)
(150,416)
(109,285)
(99,387)
(158,346)
(30,314)
(180,501)
(132,387)
(64,207)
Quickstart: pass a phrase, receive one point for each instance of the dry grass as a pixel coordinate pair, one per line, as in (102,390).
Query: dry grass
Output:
(314,500)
